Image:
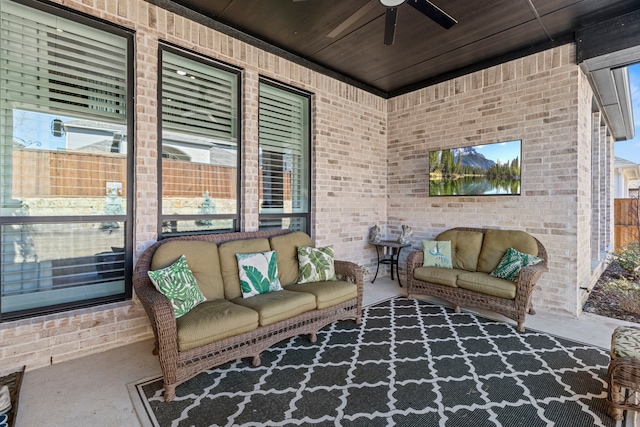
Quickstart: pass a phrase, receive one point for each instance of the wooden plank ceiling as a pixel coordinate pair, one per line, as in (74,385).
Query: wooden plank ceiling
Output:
(488,32)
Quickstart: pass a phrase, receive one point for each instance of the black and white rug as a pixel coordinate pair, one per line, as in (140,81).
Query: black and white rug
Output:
(409,363)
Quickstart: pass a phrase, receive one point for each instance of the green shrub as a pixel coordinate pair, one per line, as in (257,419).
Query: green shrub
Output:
(628,258)
(626,292)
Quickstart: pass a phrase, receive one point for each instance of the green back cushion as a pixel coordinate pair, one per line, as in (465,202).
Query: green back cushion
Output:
(229,263)
(465,248)
(202,259)
(496,243)
(287,255)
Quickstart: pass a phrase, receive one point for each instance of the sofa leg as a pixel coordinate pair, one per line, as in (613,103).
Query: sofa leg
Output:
(520,327)
(256,360)
(169,392)
(458,309)
(313,337)
(531,310)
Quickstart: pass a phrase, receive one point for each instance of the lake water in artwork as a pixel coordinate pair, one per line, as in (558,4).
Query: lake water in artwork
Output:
(473,186)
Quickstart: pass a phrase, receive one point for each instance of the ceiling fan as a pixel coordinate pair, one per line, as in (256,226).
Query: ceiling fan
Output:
(425,7)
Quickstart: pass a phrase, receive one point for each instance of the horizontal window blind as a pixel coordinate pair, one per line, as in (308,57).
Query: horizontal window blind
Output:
(284,150)
(54,65)
(198,99)
(199,143)
(282,120)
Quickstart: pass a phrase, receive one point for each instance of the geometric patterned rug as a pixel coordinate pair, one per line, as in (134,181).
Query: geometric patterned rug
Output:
(410,363)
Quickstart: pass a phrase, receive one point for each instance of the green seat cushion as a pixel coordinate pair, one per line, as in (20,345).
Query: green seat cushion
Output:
(439,275)
(229,263)
(275,306)
(212,321)
(329,293)
(625,342)
(496,243)
(203,261)
(287,254)
(487,284)
(465,247)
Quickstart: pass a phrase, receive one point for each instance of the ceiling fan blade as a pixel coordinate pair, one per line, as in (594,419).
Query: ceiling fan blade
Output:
(433,12)
(390,25)
(352,19)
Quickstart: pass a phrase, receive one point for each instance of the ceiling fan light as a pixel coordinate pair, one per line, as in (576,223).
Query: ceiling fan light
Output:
(391,3)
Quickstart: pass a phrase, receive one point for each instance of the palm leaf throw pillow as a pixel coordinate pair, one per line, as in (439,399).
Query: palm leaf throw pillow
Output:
(258,273)
(178,284)
(316,264)
(437,253)
(512,262)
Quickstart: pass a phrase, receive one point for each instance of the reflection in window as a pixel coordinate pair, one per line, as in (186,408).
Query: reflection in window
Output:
(63,145)
(284,158)
(199,144)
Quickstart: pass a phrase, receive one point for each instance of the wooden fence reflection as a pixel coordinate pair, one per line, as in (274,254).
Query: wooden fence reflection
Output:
(44,173)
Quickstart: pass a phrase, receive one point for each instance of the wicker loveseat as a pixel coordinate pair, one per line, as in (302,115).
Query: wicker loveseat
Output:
(227,326)
(475,254)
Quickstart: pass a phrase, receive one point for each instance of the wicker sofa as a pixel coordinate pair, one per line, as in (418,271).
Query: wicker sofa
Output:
(475,254)
(227,326)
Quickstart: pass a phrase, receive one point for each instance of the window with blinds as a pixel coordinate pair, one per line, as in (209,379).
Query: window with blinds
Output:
(65,230)
(285,166)
(199,144)
(54,65)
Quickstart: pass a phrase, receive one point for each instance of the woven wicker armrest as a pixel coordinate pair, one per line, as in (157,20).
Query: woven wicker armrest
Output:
(350,271)
(414,259)
(158,307)
(529,275)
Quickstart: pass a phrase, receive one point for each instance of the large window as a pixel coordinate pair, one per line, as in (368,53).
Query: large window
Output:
(199,145)
(285,163)
(65,216)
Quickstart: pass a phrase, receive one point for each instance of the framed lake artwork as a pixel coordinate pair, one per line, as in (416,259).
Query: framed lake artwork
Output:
(479,170)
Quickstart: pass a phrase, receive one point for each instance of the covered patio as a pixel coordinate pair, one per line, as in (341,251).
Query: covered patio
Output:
(549,75)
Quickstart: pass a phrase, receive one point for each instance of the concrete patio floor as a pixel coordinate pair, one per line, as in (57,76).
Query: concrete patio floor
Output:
(92,391)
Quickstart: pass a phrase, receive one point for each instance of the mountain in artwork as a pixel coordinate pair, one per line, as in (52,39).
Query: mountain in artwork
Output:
(470,157)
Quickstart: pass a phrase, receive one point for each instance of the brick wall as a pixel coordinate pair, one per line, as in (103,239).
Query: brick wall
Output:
(55,338)
(545,101)
(349,171)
